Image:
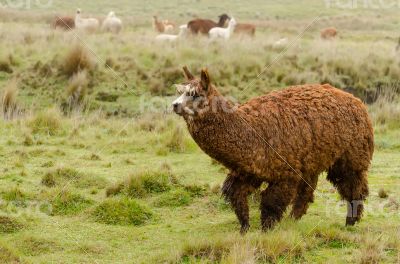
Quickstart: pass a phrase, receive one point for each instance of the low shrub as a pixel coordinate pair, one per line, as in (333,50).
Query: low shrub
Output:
(174,198)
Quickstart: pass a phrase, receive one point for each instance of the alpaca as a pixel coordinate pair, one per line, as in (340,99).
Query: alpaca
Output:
(162,27)
(168,26)
(224,33)
(245,29)
(112,23)
(328,33)
(170,37)
(285,139)
(65,23)
(203,26)
(89,25)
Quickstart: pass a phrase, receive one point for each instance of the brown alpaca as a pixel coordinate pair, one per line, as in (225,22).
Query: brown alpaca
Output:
(285,139)
(328,33)
(65,23)
(157,25)
(245,29)
(204,25)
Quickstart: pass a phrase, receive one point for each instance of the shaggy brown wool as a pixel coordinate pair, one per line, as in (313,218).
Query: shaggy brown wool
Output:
(328,33)
(285,139)
(65,23)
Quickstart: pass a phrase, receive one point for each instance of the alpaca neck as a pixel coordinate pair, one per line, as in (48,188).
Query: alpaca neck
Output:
(220,133)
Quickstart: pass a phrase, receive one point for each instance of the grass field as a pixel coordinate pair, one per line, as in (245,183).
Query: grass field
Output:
(96,169)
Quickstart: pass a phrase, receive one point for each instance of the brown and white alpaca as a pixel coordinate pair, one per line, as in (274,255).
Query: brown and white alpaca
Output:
(285,139)
(203,26)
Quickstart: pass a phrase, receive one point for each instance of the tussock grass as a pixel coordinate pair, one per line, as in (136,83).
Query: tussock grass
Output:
(10,224)
(176,142)
(76,91)
(142,183)
(254,248)
(33,246)
(78,58)
(63,175)
(121,211)
(371,250)
(66,202)
(9,104)
(382,193)
(8,255)
(5,65)
(174,198)
(46,122)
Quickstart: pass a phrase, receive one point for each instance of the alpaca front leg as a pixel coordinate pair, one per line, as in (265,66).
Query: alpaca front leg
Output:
(236,190)
(274,201)
(304,196)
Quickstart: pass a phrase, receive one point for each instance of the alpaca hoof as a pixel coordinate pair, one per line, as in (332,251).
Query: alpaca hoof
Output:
(350,221)
(244,229)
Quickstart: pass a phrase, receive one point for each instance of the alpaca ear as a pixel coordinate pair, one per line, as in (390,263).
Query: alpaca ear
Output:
(188,75)
(205,79)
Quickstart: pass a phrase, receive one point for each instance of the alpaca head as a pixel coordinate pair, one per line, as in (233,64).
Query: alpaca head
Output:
(196,95)
(232,23)
(222,19)
(111,14)
(78,11)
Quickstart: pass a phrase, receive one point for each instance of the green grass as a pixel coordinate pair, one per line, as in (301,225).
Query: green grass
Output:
(118,179)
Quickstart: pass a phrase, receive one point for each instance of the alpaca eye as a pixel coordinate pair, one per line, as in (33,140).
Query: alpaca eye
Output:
(195,96)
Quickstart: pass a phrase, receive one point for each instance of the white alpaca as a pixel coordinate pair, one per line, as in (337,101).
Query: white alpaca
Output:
(224,33)
(87,24)
(112,23)
(172,38)
(281,43)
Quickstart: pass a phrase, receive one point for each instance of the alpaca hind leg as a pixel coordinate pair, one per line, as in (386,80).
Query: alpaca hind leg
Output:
(352,187)
(274,201)
(236,189)
(304,196)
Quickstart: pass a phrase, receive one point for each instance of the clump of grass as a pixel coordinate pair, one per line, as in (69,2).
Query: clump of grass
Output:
(9,105)
(121,211)
(174,198)
(144,182)
(211,250)
(15,195)
(46,122)
(62,175)
(5,65)
(76,91)
(176,141)
(68,203)
(9,225)
(382,193)
(77,59)
(371,251)
(33,246)
(8,255)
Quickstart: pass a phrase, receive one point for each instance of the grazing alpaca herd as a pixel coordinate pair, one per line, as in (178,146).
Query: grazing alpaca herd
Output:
(165,28)
(285,139)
